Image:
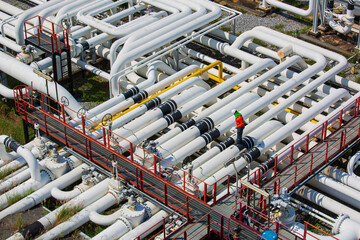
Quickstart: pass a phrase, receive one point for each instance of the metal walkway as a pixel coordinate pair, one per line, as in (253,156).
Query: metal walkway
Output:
(144,180)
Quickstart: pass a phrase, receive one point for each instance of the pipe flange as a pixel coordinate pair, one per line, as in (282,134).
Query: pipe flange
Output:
(340,219)
(147,211)
(126,222)
(70,163)
(116,196)
(49,173)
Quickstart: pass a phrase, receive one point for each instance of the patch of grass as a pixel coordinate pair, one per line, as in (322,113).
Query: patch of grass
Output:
(226,29)
(279,27)
(5,172)
(11,199)
(259,42)
(94,89)
(91,229)
(67,212)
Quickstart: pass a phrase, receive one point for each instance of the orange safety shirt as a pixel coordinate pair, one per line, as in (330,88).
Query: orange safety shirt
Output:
(239,122)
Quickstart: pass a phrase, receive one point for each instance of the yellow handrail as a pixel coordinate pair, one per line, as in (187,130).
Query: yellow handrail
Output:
(197,73)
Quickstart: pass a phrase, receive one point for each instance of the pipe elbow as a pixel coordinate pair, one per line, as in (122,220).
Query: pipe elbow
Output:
(64,195)
(104,220)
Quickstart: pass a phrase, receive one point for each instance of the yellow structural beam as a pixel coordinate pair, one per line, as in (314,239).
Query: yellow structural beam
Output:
(195,74)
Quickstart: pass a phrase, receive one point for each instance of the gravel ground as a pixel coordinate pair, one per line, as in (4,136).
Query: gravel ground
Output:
(282,22)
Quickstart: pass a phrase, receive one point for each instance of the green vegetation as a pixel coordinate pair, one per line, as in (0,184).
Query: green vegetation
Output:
(11,199)
(67,212)
(94,89)
(5,172)
(259,42)
(279,27)
(91,229)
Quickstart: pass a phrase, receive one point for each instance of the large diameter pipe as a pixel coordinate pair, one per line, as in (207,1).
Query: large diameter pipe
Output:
(25,153)
(244,89)
(154,221)
(197,102)
(47,221)
(44,191)
(327,203)
(343,177)
(336,189)
(25,74)
(80,218)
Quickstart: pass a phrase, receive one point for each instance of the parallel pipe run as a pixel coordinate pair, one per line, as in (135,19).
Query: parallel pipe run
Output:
(25,153)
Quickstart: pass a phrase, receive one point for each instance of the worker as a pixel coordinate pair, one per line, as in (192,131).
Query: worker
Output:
(239,126)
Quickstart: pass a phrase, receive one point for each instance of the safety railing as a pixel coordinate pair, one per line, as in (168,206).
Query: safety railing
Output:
(90,144)
(288,157)
(168,226)
(259,221)
(307,232)
(44,31)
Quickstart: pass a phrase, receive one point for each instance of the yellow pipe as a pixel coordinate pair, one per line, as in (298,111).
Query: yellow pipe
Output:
(197,73)
(220,80)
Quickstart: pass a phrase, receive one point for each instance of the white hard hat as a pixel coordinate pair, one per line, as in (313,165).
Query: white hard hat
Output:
(233,111)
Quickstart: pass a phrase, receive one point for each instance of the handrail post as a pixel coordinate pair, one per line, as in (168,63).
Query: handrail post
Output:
(305,230)
(155,165)
(209,225)
(311,164)
(307,143)
(187,209)
(131,152)
(222,228)
(64,120)
(340,117)
(291,154)
(295,175)
(104,136)
(205,192)
(166,194)
(214,197)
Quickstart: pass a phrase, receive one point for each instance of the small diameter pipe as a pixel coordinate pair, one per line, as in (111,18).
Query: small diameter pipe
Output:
(313,210)
(312,214)
(44,191)
(290,8)
(83,200)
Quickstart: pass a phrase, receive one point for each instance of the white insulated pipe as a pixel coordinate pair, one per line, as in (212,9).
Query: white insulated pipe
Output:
(336,189)
(195,103)
(343,177)
(42,189)
(80,218)
(154,221)
(184,139)
(25,74)
(164,35)
(353,163)
(152,115)
(280,134)
(25,153)
(47,221)
(244,89)
(10,9)
(327,203)
(290,8)
(118,227)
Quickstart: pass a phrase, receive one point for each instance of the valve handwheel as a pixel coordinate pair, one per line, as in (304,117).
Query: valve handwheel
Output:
(106,118)
(65,101)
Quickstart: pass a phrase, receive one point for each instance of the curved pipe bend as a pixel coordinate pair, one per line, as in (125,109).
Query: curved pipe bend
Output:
(25,153)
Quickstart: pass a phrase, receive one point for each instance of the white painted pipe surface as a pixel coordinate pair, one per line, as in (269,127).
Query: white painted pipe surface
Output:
(25,153)
(25,74)
(44,191)
(153,221)
(328,203)
(343,177)
(290,8)
(80,218)
(83,200)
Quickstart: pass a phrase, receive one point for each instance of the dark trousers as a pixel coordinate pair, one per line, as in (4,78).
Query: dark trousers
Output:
(239,133)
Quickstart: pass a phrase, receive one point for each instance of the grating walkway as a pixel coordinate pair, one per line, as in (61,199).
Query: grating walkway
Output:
(150,184)
(321,154)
